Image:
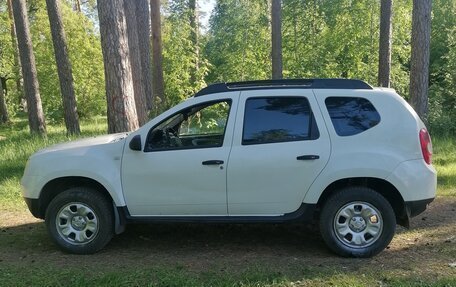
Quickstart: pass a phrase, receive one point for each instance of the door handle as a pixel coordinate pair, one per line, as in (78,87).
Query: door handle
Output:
(308,157)
(212,162)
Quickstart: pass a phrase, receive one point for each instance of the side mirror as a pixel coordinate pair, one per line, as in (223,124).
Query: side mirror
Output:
(135,143)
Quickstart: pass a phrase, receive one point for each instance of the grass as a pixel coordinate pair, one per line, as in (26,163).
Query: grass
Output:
(16,146)
(178,277)
(444,160)
(214,256)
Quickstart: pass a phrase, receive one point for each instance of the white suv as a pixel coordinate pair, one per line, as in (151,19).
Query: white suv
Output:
(355,158)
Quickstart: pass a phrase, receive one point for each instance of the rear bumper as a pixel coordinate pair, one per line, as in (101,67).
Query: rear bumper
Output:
(415,180)
(414,208)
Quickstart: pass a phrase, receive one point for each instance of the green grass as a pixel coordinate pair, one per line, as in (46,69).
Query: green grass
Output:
(178,276)
(16,146)
(444,160)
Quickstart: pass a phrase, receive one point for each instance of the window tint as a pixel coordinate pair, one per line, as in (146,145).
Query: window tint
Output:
(351,116)
(200,126)
(280,119)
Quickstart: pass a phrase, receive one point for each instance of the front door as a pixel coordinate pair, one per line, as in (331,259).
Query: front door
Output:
(277,152)
(181,170)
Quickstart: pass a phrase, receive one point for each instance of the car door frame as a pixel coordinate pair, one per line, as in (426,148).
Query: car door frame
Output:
(144,131)
(324,139)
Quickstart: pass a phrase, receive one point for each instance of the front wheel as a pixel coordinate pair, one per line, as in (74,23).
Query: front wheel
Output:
(80,220)
(357,222)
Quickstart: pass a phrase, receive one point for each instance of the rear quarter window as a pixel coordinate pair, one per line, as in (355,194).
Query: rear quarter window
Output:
(351,115)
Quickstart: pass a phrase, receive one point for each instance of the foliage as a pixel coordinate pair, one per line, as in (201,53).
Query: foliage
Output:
(7,68)
(320,39)
(401,49)
(442,100)
(179,58)
(85,56)
(6,49)
(207,120)
(238,44)
(331,38)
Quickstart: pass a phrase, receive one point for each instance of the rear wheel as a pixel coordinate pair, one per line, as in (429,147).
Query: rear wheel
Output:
(357,222)
(80,220)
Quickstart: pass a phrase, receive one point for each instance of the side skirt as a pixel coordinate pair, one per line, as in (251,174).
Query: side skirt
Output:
(304,214)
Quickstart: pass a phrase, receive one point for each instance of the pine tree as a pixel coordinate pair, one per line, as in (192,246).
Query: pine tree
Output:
(31,87)
(194,37)
(64,68)
(118,79)
(135,61)
(17,64)
(158,83)
(419,70)
(143,25)
(276,37)
(384,59)
(3,110)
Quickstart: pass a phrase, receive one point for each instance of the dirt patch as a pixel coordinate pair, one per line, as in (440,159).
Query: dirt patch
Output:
(428,249)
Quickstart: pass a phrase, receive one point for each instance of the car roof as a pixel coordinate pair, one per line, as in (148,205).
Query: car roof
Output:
(285,84)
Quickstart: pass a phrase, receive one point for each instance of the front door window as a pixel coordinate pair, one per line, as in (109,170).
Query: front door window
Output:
(200,126)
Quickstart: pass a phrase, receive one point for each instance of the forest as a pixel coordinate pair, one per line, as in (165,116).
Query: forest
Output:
(81,68)
(168,54)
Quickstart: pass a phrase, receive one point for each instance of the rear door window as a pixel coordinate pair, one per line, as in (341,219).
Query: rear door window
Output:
(278,119)
(351,115)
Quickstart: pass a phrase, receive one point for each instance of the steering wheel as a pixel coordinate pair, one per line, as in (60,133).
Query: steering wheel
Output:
(171,137)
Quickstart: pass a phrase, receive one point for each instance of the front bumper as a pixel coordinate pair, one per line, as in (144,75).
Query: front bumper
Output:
(33,205)
(30,192)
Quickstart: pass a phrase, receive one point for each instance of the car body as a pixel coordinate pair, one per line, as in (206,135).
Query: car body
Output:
(261,151)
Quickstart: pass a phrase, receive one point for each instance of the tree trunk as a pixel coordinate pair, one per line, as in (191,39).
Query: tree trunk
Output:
(158,83)
(64,69)
(17,64)
(135,61)
(276,37)
(31,86)
(4,118)
(419,70)
(194,33)
(77,6)
(384,51)
(143,24)
(118,80)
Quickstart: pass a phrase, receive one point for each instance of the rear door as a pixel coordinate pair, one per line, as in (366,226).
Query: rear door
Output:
(280,145)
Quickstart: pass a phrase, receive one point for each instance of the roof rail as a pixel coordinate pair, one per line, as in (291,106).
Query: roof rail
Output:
(286,83)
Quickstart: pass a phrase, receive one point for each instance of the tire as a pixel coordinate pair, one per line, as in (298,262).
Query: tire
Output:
(80,220)
(357,222)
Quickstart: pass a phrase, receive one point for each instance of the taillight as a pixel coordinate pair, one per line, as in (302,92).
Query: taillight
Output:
(426,146)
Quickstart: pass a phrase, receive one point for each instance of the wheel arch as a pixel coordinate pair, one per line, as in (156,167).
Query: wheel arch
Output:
(57,185)
(385,188)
